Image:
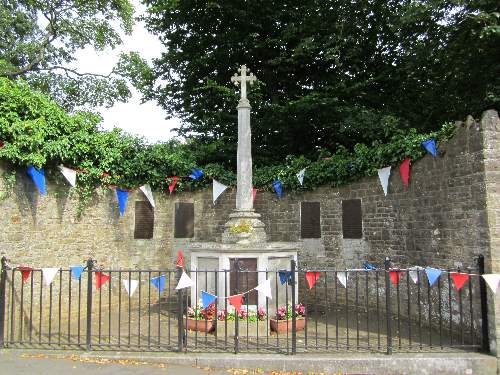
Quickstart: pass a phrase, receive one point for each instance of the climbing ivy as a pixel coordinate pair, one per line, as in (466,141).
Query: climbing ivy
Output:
(37,131)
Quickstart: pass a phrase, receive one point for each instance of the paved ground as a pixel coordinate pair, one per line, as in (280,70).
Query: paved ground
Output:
(24,362)
(18,363)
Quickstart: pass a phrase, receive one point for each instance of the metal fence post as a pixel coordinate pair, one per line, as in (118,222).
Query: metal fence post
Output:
(180,306)
(88,341)
(484,305)
(3,281)
(294,314)
(236,315)
(388,304)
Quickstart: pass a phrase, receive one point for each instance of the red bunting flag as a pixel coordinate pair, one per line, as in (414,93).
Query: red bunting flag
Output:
(459,279)
(311,278)
(254,194)
(100,279)
(25,272)
(404,171)
(236,301)
(180,260)
(395,276)
(171,186)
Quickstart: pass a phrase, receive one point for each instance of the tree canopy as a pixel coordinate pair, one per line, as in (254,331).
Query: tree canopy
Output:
(39,38)
(331,73)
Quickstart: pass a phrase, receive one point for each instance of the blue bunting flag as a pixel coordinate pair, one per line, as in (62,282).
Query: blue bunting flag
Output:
(159,282)
(433,274)
(196,173)
(122,196)
(285,276)
(207,299)
(278,188)
(38,177)
(430,146)
(368,266)
(76,271)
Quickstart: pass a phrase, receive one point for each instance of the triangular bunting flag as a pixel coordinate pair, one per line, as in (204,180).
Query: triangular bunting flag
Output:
(122,196)
(184,282)
(278,188)
(69,174)
(196,173)
(76,271)
(38,177)
(207,299)
(49,274)
(404,171)
(130,286)
(159,282)
(432,275)
(459,279)
(217,189)
(395,276)
(171,186)
(285,276)
(430,146)
(415,274)
(265,288)
(343,277)
(311,278)
(100,279)
(368,266)
(25,272)
(301,175)
(492,279)
(179,263)
(383,175)
(254,194)
(146,189)
(236,301)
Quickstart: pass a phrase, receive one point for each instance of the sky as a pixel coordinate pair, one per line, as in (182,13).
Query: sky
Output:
(148,119)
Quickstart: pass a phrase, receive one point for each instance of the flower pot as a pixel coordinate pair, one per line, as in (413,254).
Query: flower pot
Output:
(281,326)
(198,325)
(249,330)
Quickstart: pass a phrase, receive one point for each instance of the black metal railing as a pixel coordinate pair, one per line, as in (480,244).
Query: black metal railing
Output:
(370,313)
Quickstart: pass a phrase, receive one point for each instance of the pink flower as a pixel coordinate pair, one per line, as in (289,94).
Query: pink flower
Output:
(261,313)
(221,315)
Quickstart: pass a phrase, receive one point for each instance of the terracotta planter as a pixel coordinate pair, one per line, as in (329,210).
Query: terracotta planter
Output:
(281,326)
(198,325)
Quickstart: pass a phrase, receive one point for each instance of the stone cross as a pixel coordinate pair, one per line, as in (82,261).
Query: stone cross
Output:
(244,201)
(243,79)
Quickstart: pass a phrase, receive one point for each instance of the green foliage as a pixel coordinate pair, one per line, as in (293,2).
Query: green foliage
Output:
(39,39)
(9,181)
(35,130)
(332,73)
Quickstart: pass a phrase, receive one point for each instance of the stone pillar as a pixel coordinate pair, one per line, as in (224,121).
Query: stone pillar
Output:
(490,127)
(244,201)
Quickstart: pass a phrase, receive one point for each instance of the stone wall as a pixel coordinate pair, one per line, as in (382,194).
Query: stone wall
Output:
(445,218)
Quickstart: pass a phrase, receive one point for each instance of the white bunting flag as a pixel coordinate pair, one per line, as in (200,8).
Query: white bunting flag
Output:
(146,189)
(217,189)
(343,277)
(265,288)
(492,279)
(414,274)
(300,176)
(49,274)
(69,173)
(185,281)
(383,175)
(130,286)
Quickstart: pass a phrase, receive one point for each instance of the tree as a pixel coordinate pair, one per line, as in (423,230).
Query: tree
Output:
(38,40)
(332,73)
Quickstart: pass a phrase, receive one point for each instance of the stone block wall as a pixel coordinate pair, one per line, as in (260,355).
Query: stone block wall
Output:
(447,217)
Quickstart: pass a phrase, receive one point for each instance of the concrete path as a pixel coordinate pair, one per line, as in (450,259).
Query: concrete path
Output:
(24,362)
